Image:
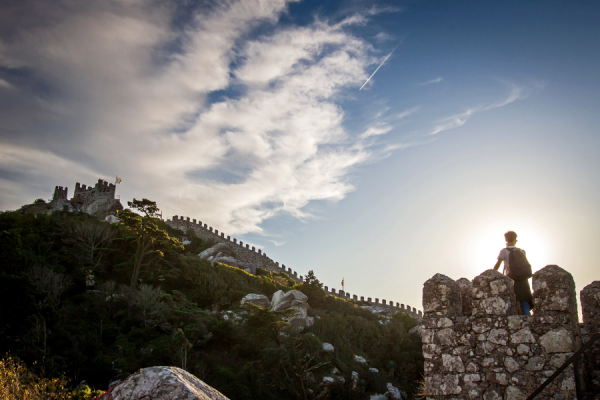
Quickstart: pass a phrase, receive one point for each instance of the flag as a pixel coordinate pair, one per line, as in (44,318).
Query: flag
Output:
(342,282)
(118,180)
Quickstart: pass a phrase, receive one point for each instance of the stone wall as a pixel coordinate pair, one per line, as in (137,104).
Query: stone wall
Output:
(590,307)
(475,346)
(241,251)
(385,305)
(249,254)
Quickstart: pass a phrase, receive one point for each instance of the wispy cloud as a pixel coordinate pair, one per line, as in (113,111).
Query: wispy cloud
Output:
(457,120)
(407,112)
(121,101)
(436,80)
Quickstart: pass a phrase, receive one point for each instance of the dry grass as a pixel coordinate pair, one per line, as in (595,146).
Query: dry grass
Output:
(17,382)
(421,392)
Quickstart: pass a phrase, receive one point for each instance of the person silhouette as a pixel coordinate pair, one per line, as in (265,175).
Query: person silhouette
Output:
(522,289)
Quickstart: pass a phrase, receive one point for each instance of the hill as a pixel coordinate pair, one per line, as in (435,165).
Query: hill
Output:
(82,298)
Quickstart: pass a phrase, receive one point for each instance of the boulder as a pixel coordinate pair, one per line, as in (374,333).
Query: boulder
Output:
(162,383)
(111,219)
(282,301)
(217,248)
(394,392)
(328,347)
(378,397)
(257,299)
(360,359)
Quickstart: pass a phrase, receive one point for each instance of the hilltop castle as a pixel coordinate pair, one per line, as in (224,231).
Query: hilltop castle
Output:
(98,200)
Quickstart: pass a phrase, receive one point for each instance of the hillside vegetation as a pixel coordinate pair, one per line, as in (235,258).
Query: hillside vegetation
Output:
(85,300)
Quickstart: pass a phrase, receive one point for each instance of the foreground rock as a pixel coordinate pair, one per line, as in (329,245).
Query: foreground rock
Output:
(162,383)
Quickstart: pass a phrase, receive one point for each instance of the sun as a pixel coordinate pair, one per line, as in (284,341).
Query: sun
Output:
(485,243)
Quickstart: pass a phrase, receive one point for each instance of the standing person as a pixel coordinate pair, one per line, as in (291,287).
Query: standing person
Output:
(518,269)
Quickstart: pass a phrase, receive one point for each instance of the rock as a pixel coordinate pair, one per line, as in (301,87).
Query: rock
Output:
(217,248)
(394,392)
(328,347)
(328,380)
(360,359)
(354,380)
(513,393)
(557,341)
(227,260)
(373,370)
(310,321)
(111,219)
(378,397)
(417,329)
(162,383)
(257,299)
(281,301)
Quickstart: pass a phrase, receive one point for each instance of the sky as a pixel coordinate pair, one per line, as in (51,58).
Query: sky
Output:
(379,142)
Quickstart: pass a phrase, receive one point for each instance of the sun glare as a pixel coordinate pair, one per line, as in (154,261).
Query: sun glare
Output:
(485,244)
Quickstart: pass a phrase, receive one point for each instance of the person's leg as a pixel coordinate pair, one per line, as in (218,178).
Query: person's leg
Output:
(525,307)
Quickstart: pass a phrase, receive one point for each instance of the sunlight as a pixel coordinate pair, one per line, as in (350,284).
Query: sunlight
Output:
(485,243)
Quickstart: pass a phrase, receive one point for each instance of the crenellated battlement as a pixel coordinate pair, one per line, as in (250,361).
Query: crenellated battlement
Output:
(60,193)
(384,304)
(249,254)
(476,346)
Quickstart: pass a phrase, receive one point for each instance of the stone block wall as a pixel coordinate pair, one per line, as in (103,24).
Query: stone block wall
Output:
(475,346)
(386,306)
(245,253)
(249,254)
(590,307)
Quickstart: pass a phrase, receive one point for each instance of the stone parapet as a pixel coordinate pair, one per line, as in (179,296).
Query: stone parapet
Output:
(590,307)
(485,350)
(248,254)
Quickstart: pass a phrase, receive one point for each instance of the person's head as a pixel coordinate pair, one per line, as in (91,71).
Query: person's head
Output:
(511,238)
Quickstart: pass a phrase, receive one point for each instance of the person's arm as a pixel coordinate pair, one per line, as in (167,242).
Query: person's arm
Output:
(498,264)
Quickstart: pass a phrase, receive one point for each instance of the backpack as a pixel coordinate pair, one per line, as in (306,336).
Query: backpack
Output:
(518,266)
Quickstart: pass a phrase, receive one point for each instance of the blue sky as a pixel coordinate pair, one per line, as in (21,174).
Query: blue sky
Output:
(248,116)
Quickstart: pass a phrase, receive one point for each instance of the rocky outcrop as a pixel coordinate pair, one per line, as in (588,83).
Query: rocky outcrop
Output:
(222,253)
(257,299)
(298,301)
(162,383)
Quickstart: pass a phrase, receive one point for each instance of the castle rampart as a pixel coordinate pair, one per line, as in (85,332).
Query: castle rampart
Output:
(257,257)
(475,346)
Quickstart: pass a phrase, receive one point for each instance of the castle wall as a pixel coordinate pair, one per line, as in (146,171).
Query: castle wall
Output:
(250,254)
(385,306)
(484,350)
(243,252)
(590,307)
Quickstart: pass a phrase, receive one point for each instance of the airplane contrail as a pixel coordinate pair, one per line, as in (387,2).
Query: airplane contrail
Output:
(383,62)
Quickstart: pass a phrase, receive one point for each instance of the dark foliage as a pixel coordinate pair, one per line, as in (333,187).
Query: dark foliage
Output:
(178,311)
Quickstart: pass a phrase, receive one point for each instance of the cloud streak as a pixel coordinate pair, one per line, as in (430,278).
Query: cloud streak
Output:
(380,65)
(436,80)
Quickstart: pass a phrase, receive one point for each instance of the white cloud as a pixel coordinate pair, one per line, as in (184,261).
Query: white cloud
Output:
(4,84)
(457,120)
(407,112)
(436,80)
(136,91)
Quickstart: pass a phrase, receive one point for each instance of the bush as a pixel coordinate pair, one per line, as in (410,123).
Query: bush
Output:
(18,382)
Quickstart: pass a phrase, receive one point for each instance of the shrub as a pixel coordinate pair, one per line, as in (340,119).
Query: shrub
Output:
(19,382)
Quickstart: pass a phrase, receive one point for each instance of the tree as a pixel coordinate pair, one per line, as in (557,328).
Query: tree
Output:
(149,238)
(91,240)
